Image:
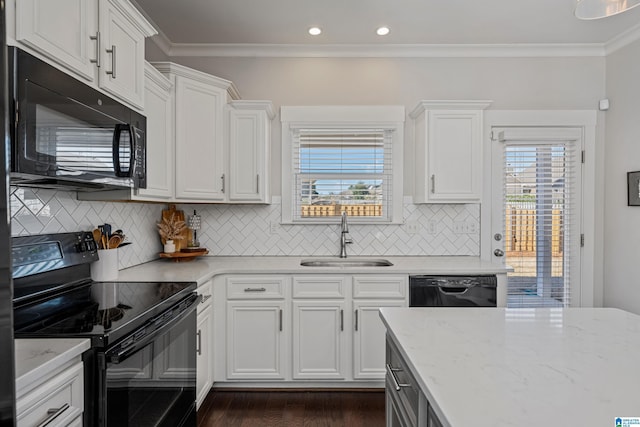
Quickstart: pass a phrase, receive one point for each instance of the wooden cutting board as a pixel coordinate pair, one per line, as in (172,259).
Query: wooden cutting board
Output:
(177,215)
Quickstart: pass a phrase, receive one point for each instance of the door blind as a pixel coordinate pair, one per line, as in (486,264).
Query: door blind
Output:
(342,170)
(540,190)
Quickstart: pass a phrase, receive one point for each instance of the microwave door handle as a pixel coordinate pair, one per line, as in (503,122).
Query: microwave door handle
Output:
(132,150)
(116,150)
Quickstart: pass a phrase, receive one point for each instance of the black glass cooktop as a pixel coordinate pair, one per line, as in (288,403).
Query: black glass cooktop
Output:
(84,311)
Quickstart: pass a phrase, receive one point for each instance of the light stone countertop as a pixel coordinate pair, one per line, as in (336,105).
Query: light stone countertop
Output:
(37,357)
(496,367)
(204,268)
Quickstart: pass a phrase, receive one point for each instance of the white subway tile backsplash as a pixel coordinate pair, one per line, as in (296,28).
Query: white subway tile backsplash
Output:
(249,230)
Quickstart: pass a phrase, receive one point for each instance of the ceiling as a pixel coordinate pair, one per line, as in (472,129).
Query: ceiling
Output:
(353,22)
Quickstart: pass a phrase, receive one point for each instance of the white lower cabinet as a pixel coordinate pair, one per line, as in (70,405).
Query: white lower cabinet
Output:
(204,344)
(319,340)
(368,338)
(305,328)
(257,328)
(256,348)
(57,401)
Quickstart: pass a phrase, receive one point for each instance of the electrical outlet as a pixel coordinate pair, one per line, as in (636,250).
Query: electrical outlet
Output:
(412,227)
(459,227)
(273,227)
(432,226)
(472,227)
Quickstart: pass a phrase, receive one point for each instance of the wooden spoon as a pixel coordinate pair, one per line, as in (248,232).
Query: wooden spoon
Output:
(97,236)
(115,241)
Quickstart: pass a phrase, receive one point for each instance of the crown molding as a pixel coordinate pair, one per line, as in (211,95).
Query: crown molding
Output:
(381,51)
(622,40)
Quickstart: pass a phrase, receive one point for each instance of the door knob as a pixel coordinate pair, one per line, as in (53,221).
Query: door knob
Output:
(498,252)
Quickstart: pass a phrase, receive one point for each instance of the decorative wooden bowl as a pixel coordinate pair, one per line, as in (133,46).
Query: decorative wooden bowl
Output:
(184,256)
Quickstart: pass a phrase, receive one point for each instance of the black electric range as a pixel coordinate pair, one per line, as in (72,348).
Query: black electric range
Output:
(138,325)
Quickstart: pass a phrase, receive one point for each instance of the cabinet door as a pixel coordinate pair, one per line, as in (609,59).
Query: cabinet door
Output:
(122,54)
(247,143)
(160,143)
(369,338)
(199,161)
(319,340)
(60,30)
(204,354)
(256,343)
(454,155)
(245,156)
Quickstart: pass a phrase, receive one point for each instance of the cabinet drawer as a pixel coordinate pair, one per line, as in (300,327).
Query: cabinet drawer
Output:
(62,395)
(399,376)
(380,286)
(256,287)
(319,287)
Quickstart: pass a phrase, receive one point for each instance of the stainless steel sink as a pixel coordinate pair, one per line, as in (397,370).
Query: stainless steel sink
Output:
(345,262)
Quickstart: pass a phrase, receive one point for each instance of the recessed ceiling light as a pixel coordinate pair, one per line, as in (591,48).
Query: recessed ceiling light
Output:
(382,31)
(315,31)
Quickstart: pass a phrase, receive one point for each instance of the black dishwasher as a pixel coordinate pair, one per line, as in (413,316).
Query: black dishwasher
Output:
(452,291)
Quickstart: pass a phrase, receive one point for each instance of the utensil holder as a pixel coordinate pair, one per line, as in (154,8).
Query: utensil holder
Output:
(106,267)
(105,294)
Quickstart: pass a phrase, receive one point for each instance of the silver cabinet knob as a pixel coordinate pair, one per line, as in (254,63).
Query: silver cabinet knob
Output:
(497,237)
(498,252)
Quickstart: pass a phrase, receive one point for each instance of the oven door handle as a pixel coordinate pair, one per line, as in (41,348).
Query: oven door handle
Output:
(119,355)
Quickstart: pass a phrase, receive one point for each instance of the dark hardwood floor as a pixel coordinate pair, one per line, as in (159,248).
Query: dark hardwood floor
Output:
(228,408)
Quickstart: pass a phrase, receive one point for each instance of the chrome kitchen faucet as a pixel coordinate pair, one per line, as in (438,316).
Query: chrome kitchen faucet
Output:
(344,240)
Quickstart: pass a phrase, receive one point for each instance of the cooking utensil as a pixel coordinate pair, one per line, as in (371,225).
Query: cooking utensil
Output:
(97,236)
(114,241)
(105,242)
(107,230)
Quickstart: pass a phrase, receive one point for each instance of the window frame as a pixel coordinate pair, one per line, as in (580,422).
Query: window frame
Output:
(348,117)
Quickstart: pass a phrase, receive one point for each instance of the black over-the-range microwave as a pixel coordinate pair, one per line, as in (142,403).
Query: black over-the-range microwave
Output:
(66,134)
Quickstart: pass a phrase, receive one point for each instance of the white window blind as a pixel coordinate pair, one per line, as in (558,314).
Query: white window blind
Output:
(338,170)
(540,193)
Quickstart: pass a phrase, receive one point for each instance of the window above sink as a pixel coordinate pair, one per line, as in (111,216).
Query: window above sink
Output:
(342,159)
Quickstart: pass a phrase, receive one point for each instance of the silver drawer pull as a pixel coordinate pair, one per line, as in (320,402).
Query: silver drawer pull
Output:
(53,413)
(205,298)
(392,372)
(255,289)
(199,345)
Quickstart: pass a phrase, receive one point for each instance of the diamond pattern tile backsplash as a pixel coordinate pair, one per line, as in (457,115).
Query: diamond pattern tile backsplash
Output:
(250,230)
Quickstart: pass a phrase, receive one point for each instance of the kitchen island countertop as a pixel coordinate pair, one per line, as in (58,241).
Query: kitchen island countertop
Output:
(204,268)
(522,367)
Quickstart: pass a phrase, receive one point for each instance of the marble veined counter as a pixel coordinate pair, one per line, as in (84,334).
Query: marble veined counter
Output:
(37,357)
(522,367)
(204,268)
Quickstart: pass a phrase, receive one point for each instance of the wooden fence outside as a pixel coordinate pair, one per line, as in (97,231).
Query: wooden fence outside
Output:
(336,210)
(520,231)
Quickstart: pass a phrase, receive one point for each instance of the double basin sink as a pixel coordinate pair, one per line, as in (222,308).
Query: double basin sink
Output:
(345,262)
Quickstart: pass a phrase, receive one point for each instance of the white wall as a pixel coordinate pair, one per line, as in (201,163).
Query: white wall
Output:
(622,146)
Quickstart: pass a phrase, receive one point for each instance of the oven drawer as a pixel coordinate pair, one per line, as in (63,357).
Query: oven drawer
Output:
(58,401)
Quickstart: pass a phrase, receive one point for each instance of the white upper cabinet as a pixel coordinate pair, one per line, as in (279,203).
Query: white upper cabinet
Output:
(200,153)
(99,41)
(448,151)
(122,33)
(61,30)
(159,104)
(249,141)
